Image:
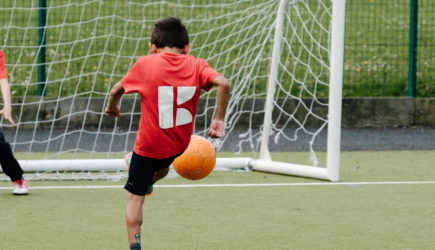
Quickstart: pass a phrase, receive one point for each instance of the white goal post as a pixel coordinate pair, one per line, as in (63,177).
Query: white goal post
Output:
(283,58)
(331,172)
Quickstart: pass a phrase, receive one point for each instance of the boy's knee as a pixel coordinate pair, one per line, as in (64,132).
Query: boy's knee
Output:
(134,221)
(160,174)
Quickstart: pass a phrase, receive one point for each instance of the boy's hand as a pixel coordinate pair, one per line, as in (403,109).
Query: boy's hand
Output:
(112,111)
(216,129)
(112,108)
(6,113)
(223,95)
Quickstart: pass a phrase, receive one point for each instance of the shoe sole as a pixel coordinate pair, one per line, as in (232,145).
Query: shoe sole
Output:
(21,193)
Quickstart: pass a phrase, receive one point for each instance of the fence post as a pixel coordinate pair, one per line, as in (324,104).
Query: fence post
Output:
(42,21)
(412,74)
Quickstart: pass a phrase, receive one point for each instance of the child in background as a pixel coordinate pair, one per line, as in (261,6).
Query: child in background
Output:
(9,164)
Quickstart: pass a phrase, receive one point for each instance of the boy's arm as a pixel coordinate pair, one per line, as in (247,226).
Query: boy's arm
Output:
(112,108)
(7,109)
(216,129)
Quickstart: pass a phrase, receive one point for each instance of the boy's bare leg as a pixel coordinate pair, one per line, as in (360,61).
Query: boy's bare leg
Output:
(133,211)
(133,216)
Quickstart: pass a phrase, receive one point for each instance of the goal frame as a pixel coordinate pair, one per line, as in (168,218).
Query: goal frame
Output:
(264,163)
(332,170)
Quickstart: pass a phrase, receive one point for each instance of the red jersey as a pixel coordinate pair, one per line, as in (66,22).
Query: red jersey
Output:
(170,86)
(3,74)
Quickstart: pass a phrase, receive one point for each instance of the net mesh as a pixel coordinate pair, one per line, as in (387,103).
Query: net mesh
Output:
(90,45)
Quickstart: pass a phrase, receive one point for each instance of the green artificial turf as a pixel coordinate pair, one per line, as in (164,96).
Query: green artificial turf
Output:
(352,215)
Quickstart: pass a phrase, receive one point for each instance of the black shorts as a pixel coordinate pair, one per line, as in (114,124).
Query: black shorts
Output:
(141,172)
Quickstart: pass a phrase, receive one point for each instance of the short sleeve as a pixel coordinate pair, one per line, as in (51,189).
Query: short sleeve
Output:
(3,73)
(133,81)
(206,75)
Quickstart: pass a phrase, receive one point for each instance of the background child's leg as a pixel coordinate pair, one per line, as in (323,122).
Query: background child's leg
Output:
(10,165)
(133,216)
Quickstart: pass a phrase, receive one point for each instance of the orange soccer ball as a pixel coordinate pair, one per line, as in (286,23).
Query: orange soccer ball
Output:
(198,159)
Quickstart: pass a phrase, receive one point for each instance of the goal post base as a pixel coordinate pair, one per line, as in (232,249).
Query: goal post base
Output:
(76,165)
(291,169)
(99,165)
(222,164)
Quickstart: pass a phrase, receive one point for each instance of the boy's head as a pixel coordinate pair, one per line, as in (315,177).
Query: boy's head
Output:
(170,32)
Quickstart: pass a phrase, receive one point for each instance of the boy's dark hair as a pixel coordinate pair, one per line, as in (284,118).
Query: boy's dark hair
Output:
(170,32)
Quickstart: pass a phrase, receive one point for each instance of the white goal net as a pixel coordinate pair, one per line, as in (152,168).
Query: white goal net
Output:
(282,58)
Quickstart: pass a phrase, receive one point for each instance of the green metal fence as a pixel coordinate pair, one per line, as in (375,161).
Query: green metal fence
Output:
(378,41)
(426,48)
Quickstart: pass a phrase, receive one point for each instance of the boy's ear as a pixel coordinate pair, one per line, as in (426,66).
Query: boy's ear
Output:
(153,48)
(186,49)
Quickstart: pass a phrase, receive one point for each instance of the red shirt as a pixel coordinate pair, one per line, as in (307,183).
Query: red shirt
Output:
(170,86)
(3,74)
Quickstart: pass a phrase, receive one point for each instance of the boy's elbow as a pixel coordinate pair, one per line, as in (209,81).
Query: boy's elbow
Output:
(226,88)
(224,84)
(117,89)
(227,84)
(221,82)
(113,92)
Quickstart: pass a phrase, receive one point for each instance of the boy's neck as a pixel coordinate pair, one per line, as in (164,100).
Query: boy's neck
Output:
(173,50)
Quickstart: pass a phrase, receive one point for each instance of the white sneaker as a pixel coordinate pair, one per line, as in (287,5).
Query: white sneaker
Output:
(21,187)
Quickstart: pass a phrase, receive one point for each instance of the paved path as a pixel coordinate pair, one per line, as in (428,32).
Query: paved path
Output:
(352,140)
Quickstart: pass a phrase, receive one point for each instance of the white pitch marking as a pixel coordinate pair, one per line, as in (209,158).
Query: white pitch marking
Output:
(244,185)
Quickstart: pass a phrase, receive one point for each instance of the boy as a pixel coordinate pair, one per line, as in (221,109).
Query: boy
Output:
(10,165)
(169,82)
